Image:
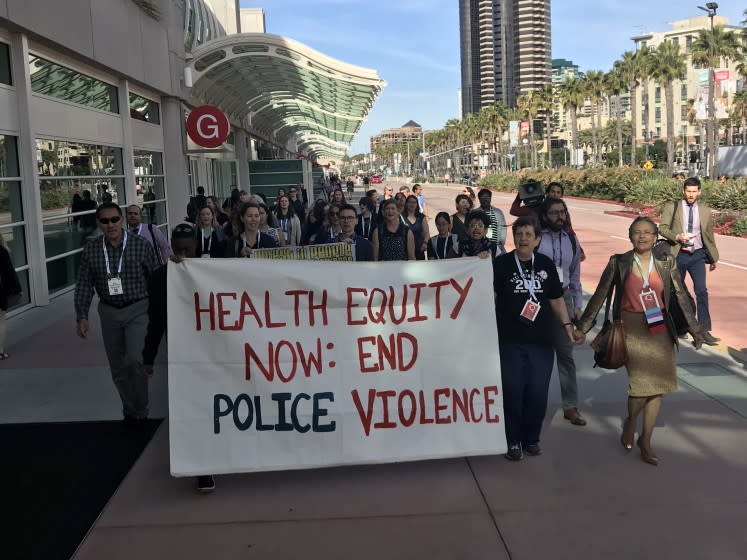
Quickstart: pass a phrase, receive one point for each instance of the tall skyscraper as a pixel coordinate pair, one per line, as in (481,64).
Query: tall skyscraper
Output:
(505,50)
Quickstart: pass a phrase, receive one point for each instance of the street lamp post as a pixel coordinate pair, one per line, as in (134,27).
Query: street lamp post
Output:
(711,133)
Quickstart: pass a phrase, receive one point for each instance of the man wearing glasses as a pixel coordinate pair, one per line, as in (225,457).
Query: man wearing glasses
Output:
(348,221)
(118,266)
(562,247)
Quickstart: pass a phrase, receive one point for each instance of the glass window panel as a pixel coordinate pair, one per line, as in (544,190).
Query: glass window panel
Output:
(15,240)
(65,234)
(148,163)
(154,213)
(143,109)
(23,279)
(49,78)
(63,272)
(9,156)
(57,195)
(11,208)
(70,159)
(149,189)
(5,76)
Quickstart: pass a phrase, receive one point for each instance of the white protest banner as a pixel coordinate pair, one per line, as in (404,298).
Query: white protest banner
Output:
(286,364)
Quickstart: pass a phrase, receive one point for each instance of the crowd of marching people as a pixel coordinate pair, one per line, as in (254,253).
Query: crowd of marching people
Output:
(539,302)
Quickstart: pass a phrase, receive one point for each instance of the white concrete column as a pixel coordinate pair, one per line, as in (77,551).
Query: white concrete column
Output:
(242,159)
(128,156)
(174,159)
(29,172)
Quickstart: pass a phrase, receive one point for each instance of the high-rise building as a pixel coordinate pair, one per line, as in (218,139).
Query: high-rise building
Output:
(505,50)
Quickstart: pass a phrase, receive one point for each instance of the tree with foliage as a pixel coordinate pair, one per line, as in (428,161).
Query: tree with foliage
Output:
(572,97)
(667,65)
(633,67)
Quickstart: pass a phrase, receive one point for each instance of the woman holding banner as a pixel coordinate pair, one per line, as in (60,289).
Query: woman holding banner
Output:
(477,244)
(392,240)
(249,237)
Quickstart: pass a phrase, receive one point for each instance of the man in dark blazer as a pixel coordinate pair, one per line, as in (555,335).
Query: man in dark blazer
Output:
(688,225)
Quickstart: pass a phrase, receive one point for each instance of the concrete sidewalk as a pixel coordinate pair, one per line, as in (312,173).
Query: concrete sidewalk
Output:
(583,498)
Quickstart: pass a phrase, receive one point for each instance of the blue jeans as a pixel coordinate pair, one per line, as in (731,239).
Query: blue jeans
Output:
(525,370)
(695,264)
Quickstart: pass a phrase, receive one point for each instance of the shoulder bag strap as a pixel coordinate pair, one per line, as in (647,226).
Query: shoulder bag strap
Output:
(617,283)
(155,244)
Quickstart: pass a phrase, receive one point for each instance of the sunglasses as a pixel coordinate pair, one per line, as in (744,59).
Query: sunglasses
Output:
(113,220)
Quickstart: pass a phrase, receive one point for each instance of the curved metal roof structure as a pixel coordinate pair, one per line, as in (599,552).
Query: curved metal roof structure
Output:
(285,90)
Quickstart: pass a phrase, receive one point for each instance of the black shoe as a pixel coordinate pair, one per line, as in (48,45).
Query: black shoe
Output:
(533,449)
(205,484)
(710,340)
(514,453)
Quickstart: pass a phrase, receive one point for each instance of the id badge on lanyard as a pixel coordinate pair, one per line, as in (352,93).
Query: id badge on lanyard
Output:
(532,306)
(649,300)
(114,282)
(206,251)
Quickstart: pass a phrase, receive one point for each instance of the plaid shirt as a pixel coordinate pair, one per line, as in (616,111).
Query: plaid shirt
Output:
(137,265)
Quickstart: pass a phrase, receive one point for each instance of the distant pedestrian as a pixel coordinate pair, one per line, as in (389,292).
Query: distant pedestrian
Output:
(151,233)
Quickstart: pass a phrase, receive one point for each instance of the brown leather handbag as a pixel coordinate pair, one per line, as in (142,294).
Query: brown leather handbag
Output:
(609,347)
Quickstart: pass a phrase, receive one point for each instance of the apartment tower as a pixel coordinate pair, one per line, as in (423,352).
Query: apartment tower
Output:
(505,50)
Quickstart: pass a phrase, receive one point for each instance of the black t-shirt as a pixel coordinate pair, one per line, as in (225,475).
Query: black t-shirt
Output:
(512,294)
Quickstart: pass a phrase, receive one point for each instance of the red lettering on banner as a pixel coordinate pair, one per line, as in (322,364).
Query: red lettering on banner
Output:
(416,304)
(460,403)
(403,305)
(489,401)
(394,352)
(438,286)
(386,423)
(320,306)
(247,309)
(437,394)
(296,304)
(387,352)
(472,394)
(350,306)
(423,417)
(400,351)
(462,296)
(377,319)
(367,414)
(409,420)
(362,356)
(268,315)
(222,313)
(293,354)
(210,310)
(410,407)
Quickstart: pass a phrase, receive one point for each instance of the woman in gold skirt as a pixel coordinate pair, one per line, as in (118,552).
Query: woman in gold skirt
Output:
(648,283)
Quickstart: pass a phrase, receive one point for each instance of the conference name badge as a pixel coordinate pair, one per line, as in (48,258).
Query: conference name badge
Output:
(530,311)
(652,310)
(115,286)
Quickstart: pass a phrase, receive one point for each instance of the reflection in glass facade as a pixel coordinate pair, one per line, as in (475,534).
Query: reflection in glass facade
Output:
(200,24)
(61,273)
(149,183)
(16,241)
(5,75)
(49,78)
(11,209)
(143,109)
(9,156)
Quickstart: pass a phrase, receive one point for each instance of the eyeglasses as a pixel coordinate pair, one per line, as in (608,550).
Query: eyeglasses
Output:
(557,213)
(347,218)
(113,220)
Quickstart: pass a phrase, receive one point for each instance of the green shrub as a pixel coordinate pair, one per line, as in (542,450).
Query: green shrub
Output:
(739,227)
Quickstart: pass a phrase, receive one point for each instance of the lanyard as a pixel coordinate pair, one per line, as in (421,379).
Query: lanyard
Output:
(560,249)
(139,229)
(529,287)
(210,242)
(256,244)
(640,267)
(363,228)
(284,224)
(106,256)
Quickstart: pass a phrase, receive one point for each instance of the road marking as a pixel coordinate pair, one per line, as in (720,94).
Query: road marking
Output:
(740,267)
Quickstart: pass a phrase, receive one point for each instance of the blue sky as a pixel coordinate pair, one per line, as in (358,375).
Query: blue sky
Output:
(414,44)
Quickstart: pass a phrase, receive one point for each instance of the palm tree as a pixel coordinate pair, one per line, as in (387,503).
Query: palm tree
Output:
(546,104)
(667,65)
(572,97)
(528,105)
(615,86)
(593,84)
(739,110)
(634,67)
(707,51)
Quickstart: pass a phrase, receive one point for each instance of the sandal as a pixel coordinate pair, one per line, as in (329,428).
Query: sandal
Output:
(4,356)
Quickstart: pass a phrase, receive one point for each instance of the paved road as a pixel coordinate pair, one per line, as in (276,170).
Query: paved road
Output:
(602,235)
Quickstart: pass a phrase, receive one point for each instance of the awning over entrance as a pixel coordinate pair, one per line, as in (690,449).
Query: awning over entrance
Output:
(285,90)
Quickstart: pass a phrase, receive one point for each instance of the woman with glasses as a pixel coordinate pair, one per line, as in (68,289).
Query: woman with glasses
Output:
(287,221)
(463,206)
(644,285)
(331,229)
(392,240)
(249,237)
(477,244)
(440,246)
